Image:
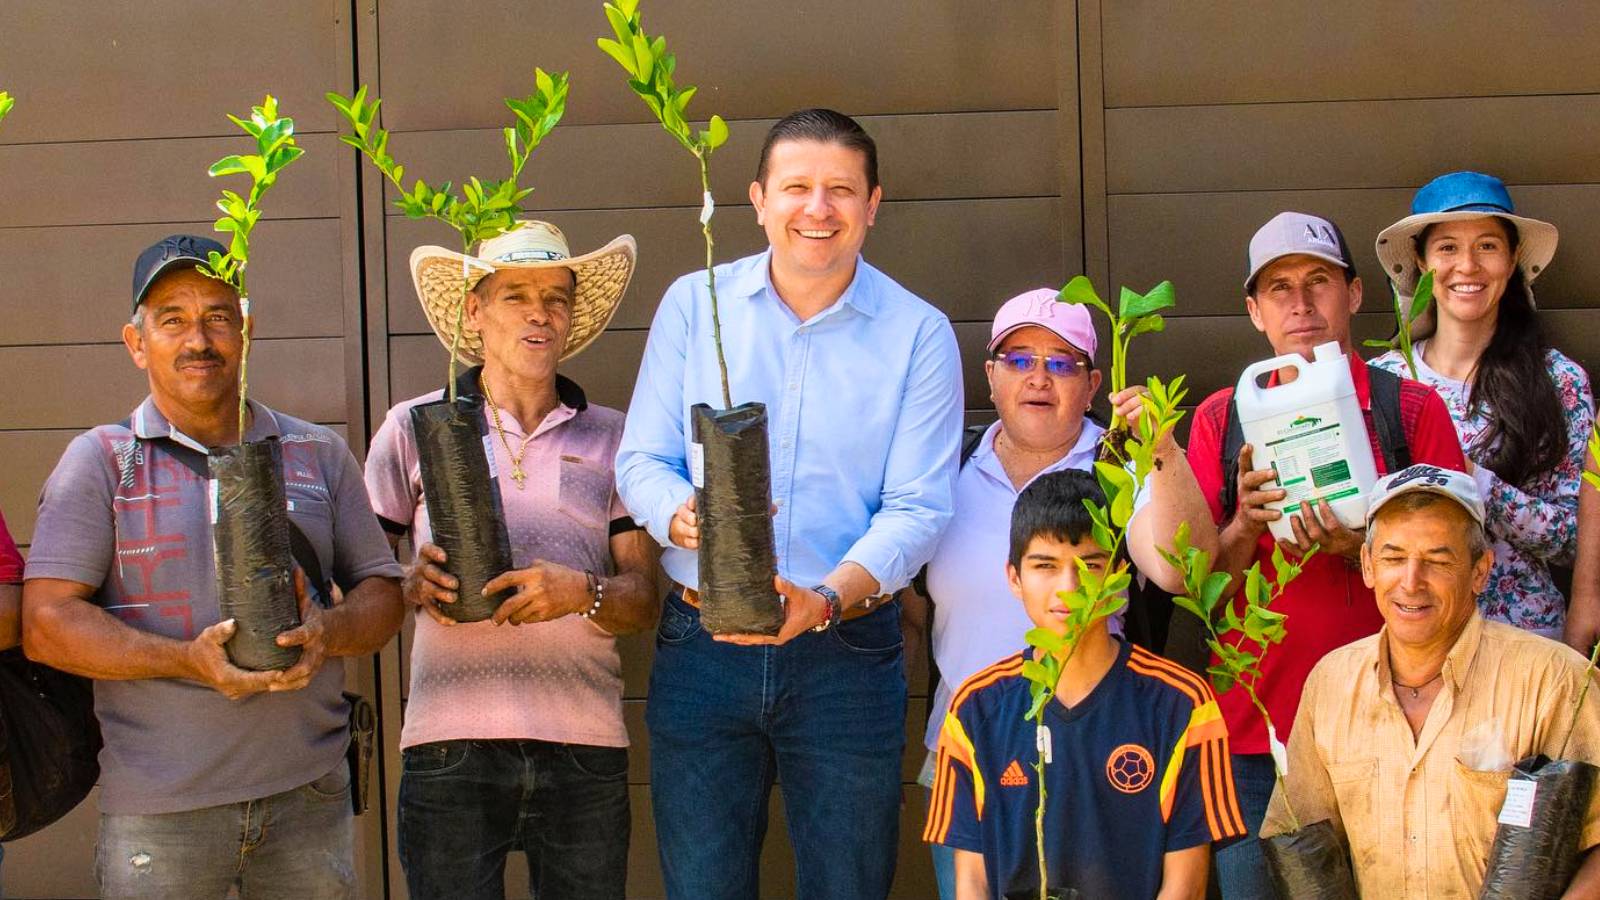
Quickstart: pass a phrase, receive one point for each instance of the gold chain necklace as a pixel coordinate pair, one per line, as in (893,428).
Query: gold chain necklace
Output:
(516,455)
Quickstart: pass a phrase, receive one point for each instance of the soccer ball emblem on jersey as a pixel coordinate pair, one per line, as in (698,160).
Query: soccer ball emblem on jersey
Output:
(1130,768)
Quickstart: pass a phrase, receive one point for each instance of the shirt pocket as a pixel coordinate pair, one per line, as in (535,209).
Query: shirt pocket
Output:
(313,515)
(585,491)
(1475,801)
(1355,791)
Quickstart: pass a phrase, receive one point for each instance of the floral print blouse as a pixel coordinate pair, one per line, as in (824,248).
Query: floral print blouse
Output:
(1531,526)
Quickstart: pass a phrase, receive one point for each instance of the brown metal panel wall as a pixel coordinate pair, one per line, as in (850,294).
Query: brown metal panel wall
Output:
(992,212)
(120,109)
(1216,116)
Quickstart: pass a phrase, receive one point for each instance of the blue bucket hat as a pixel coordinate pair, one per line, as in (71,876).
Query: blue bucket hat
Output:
(1463,195)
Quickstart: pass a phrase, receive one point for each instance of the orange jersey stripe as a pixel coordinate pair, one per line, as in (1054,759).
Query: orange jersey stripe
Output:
(1192,684)
(1011,665)
(1169,679)
(1230,797)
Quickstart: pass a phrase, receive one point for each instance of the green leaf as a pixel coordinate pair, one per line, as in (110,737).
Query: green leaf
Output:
(1187,604)
(1377,344)
(1422,296)
(1134,305)
(1045,639)
(1036,673)
(1148,325)
(1081,290)
(228,165)
(716,132)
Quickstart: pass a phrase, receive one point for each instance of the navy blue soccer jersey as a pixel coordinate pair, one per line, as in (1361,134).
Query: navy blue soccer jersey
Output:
(1138,769)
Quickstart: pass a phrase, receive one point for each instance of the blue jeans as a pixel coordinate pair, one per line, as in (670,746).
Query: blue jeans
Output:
(296,845)
(1241,866)
(823,714)
(464,805)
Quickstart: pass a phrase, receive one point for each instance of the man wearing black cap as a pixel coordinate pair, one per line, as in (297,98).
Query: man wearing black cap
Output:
(211,776)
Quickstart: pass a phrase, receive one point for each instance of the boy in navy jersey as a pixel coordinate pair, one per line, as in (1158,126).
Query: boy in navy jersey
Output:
(1138,783)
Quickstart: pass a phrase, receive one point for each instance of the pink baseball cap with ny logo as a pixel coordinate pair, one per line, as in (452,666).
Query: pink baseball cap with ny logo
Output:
(1045,308)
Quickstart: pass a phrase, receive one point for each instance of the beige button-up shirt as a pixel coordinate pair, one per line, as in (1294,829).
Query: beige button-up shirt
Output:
(1419,813)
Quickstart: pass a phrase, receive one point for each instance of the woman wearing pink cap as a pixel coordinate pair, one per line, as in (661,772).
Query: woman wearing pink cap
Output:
(1042,381)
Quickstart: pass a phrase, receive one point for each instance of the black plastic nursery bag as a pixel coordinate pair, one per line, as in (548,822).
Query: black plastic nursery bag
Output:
(255,565)
(1536,844)
(732,476)
(464,509)
(1310,864)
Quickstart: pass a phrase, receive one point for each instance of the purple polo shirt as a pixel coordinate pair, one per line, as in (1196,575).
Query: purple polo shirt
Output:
(135,524)
(558,681)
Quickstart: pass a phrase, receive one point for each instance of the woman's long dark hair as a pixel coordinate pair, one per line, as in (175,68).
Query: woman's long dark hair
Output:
(1527,433)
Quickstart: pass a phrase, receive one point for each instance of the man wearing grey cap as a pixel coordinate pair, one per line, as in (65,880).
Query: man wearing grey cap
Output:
(212,777)
(1405,739)
(1301,290)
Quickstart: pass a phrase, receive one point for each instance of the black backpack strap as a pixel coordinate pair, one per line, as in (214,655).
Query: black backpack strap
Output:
(305,555)
(1384,387)
(971,437)
(1232,444)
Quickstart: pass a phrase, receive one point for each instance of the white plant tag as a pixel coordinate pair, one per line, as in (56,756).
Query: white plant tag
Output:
(289,504)
(707,206)
(1041,741)
(1518,809)
(1280,753)
(488,453)
(216,501)
(697,464)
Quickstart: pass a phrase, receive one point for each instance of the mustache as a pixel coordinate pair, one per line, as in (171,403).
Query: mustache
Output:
(199,356)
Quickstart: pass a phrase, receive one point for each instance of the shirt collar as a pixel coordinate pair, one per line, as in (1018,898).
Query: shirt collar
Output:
(1081,456)
(147,423)
(758,277)
(1457,663)
(568,393)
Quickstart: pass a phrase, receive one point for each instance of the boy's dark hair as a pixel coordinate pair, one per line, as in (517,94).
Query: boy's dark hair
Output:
(1052,506)
(825,126)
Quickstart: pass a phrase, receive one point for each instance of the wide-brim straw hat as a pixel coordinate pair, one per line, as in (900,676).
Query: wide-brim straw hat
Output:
(1456,196)
(602,278)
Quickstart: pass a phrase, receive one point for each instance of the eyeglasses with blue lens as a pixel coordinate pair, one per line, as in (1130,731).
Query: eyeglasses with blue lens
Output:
(1023,362)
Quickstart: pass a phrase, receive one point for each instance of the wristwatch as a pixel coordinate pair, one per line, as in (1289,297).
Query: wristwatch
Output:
(834,607)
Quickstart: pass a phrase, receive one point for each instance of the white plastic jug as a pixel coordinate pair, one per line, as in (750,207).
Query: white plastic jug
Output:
(1312,433)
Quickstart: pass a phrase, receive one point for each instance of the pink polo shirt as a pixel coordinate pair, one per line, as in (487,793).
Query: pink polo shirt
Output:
(551,681)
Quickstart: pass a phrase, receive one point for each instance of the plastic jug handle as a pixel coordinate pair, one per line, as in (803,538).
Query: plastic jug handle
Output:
(1248,382)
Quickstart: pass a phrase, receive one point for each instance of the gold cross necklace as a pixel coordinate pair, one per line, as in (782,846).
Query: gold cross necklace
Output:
(516,455)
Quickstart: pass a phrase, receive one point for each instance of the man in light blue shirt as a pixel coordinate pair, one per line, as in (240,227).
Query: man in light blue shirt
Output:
(862,383)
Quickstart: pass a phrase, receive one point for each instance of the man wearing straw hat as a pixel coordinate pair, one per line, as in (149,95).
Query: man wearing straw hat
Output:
(211,776)
(513,734)
(862,380)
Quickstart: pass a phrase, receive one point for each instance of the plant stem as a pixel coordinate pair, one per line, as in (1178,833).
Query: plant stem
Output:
(1038,819)
(244,359)
(711,285)
(1588,676)
(461,313)
(1277,773)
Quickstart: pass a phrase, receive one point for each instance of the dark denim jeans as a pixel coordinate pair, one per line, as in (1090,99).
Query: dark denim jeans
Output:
(823,714)
(465,804)
(1241,866)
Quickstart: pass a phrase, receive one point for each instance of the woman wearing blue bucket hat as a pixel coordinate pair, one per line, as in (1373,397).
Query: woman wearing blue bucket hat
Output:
(1522,409)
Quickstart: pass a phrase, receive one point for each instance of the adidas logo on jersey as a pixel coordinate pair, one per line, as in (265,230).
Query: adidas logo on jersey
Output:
(1013,776)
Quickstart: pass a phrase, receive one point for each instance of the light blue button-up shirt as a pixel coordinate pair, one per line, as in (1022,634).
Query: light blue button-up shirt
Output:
(864,414)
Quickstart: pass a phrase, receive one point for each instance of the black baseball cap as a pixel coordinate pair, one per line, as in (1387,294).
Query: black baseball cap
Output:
(171,252)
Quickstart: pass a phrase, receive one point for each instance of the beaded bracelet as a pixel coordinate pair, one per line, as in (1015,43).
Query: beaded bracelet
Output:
(597,588)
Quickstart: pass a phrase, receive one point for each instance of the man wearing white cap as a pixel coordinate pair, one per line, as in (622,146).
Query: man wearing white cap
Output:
(1042,380)
(1301,290)
(1405,739)
(513,735)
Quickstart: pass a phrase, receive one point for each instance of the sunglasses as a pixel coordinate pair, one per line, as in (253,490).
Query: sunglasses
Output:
(1023,362)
